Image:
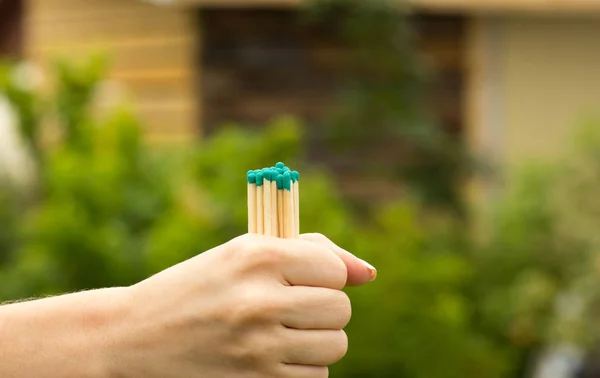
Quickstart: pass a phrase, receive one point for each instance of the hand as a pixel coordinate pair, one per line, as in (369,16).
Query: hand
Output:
(255,307)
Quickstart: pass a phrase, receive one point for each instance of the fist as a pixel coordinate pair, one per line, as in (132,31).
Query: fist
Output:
(255,307)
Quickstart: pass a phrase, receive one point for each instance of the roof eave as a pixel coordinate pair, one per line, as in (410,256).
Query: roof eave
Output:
(584,7)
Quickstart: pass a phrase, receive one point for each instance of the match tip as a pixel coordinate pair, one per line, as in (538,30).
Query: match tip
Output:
(273,173)
(287,177)
(279,181)
(251,177)
(259,178)
(266,174)
(295,176)
(280,165)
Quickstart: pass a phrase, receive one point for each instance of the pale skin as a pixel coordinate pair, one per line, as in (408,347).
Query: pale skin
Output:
(255,307)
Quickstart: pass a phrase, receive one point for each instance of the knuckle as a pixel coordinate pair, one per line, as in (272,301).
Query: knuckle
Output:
(339,345)
(339,272)
(323,372)
(316,237)
(252,307)
(344,308)
(250,352)
(262,253)
(245,354)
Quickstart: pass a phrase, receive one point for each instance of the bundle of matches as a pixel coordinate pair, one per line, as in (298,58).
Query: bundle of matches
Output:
(274,202)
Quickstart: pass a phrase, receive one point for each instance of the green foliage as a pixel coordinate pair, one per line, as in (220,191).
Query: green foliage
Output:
(13,85)
(101,195)
(111,211)
(416,320)
(540,274)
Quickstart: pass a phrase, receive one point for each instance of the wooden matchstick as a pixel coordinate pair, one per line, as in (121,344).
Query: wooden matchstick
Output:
(267,202)
(288,216)
(280,218)
(251,202)
(260,226)
(296,192)
(274,215)
(292,211)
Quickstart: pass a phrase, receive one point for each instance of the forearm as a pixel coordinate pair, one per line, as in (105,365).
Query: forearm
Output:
(65,336)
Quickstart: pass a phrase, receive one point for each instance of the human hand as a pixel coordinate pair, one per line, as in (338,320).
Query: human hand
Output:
(255,307)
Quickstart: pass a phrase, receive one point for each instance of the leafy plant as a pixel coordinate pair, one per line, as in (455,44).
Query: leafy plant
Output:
(112,211)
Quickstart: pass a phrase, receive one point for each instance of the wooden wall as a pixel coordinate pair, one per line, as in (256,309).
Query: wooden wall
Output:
(154,52)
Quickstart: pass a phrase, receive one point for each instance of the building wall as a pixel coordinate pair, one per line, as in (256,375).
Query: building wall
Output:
(531,80)
(153,50)
(551,69)
(534,81)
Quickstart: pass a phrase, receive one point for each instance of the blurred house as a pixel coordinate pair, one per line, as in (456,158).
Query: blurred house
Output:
(513,76)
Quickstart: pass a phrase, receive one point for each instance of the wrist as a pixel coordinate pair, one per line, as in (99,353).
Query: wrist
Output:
(110,328)
(96,320)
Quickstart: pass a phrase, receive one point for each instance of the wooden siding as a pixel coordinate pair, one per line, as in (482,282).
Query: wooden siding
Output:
(153,51)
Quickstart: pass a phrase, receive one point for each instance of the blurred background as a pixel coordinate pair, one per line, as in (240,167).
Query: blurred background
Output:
(454,144)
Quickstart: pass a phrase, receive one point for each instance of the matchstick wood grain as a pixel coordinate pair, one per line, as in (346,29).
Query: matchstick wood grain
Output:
(274,215)
(288,214)
(296,191)
(267,203)
(251,203)
(280,204)
(260,211)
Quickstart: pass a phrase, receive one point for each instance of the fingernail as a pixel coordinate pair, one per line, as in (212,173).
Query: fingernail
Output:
(372,270)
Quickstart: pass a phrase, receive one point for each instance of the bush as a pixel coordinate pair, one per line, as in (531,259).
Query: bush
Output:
(539,274)
(107,210)
(110,211)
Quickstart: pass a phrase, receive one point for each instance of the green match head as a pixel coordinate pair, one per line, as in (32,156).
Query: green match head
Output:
(266,174)
(279,181)
(279,165)
(251,177)
(295,176)
(287,183)
(259,178)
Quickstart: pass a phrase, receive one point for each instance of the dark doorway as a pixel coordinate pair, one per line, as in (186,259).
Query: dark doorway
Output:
(11,28)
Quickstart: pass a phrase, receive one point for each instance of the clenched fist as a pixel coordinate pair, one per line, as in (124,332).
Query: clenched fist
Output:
(254,307)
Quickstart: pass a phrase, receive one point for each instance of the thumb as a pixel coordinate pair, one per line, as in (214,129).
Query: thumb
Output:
(359,271)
